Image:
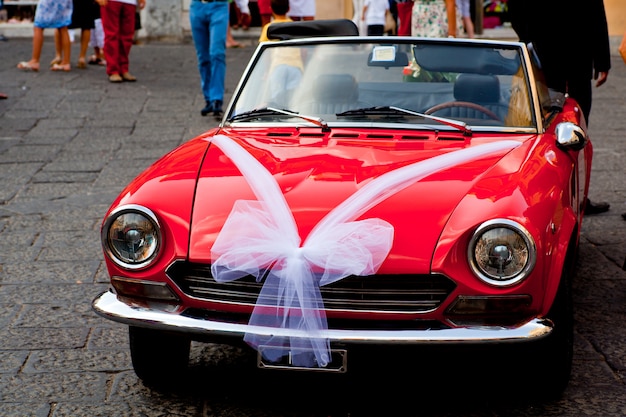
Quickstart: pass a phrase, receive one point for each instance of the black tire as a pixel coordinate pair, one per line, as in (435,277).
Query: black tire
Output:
(159,358)
(552,357)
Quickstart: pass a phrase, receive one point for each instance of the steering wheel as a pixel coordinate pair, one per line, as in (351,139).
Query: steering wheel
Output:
(467,104)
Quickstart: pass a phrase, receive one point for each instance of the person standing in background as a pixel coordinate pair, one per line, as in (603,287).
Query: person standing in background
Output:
(231,42)
(138,27)
(434,19)
(279,10)
(118,22)
(571,39)
(209,28)
(463,7)
(374,15)
(96,40)
(405,9)
(84,14)
(50,14)
(265,10)
(286,68)
(301,10)
(622,48)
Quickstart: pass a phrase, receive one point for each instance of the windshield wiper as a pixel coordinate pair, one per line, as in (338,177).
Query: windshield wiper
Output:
(271,111)
(256,113)
(392,110)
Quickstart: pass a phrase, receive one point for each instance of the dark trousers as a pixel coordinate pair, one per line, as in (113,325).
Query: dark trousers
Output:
(375,30)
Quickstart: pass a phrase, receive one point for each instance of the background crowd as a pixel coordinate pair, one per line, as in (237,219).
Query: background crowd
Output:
(573,60)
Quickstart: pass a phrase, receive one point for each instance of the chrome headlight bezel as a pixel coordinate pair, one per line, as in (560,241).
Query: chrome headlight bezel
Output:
(508,238)
(144,255)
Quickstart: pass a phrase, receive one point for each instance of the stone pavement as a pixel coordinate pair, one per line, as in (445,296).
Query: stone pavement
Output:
(70,141)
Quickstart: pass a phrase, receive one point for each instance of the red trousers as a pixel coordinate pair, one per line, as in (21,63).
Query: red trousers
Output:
(264,7)
(404,16)
(118,23)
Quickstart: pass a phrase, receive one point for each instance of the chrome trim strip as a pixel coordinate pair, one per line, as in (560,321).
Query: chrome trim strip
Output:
(110,307)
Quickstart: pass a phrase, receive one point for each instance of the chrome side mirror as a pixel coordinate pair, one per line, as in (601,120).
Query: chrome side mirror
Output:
(570,136)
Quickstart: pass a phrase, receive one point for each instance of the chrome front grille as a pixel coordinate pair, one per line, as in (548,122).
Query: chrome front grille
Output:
(377,293)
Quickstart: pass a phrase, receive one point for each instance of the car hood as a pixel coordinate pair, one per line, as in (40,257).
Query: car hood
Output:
(315,175)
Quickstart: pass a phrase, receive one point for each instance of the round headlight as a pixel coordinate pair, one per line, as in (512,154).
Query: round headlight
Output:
(131,236)
(502,252)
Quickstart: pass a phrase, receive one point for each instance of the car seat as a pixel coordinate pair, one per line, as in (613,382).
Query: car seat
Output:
(333,93)
(483,90)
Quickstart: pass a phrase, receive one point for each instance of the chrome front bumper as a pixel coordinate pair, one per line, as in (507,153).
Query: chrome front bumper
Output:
(109,306)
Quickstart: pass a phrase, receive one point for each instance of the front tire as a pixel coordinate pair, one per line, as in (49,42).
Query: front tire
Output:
(158,358)
(552,357)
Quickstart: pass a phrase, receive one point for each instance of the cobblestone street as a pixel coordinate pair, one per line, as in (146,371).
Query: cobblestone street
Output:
(69,142)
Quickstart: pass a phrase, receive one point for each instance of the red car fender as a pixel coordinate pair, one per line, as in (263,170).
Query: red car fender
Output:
(168,193)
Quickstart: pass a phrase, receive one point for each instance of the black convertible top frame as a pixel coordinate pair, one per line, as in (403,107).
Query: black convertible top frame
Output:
(312,28)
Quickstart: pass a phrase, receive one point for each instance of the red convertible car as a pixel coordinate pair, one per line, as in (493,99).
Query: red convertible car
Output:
(359,191)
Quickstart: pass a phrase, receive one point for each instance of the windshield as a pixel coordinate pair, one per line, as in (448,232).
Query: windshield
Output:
(475,84)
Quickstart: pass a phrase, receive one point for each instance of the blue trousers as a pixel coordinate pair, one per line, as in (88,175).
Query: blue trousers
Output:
(209,23)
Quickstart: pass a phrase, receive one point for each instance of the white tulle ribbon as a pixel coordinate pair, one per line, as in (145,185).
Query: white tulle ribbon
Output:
(261,238)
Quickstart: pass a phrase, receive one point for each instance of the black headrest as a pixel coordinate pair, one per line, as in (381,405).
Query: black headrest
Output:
(336,88)
(477,88)
(311,28)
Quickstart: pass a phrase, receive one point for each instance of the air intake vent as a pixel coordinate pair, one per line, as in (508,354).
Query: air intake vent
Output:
(376,293)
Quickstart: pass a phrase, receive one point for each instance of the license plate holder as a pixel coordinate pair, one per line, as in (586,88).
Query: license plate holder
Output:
(338,363)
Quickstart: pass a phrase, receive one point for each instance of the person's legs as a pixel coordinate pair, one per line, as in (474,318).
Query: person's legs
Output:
(209,22)
(404,18)
(217,53)
(110,15)
(127,33)
(64,40)
(85,36)
(66,46)
(463,7)
(37,45)
(33,64)
(96,40)
(57,48)
(375,30)
(579,88)
(230,41)
(199,19)
(469,26)
(265,11)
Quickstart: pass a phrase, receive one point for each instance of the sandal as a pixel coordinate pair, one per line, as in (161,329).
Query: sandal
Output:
(81,64)
(56,60)
(60,67)
(94,60)
(27,66)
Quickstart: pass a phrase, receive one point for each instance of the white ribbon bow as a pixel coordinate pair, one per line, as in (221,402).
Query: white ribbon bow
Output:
(261,237)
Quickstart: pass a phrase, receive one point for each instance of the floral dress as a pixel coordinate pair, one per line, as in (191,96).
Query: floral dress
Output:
(53,13)
(429,19)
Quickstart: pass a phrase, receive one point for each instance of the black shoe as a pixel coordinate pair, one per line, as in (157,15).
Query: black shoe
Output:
(596,208)
(207,109)
(217,108)
(624,217)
